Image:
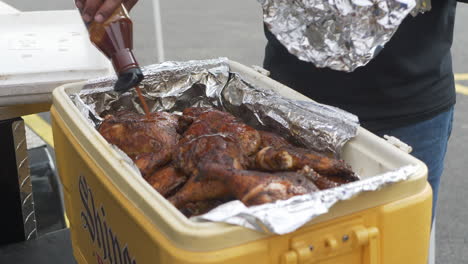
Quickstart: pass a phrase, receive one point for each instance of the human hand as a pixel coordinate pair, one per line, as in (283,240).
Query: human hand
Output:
(100,10)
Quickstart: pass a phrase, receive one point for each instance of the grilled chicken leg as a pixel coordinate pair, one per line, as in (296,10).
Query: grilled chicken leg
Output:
(292,158)
(254,187)
(197,191)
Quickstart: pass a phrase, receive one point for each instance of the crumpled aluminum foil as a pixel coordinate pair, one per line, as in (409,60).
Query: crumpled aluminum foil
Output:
(339,34)
(167,86)
(324,127)
(172,86)
(286,216)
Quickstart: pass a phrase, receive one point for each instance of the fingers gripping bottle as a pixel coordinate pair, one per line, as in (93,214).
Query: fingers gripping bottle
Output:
(114,38)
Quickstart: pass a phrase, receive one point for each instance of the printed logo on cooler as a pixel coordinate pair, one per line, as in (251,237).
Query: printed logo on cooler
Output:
(100,232)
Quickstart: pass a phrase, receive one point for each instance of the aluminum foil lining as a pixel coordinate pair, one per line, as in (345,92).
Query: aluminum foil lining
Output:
(173,86)
(339,34)
(324,127)
(286,216)
(167,86)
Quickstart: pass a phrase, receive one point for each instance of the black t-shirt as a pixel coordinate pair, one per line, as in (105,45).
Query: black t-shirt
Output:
(410,80)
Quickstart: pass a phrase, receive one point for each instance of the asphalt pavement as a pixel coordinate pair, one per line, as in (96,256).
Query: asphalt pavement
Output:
(233,29)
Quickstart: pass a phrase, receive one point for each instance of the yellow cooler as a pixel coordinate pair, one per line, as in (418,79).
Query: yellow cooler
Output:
(116,217)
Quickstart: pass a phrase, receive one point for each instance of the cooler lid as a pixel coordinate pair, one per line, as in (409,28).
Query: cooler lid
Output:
(42,50)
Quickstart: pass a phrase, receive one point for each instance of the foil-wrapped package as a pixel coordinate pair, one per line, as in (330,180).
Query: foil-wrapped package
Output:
(173,86)
(339,34)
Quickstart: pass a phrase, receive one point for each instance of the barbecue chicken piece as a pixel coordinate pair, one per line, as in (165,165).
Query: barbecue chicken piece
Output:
(195,191)
(189,115)
(149,142)
(254,187)
(166,180)
(250,187)
(217,149)
(269,139)
(192,155)
(322,182)
(196,122)
(292,158)
(214,151)
(212,137)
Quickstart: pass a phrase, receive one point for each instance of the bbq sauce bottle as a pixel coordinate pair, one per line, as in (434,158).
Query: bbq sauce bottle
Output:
(114,38)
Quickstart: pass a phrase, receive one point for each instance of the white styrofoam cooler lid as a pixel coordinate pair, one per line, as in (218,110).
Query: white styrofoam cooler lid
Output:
(40,51)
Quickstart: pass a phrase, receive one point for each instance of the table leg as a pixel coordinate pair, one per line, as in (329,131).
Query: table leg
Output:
(17,221)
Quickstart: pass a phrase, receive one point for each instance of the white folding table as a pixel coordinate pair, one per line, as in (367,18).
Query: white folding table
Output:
(37,55)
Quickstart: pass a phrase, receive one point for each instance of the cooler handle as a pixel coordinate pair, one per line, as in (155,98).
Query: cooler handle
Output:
(369,238)
(361,237)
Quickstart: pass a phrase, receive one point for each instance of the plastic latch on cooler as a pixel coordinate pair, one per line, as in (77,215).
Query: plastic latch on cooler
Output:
(260,70)
(325,247)
(398,143)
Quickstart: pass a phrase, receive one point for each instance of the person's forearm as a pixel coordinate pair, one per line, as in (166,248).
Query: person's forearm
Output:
(100,10)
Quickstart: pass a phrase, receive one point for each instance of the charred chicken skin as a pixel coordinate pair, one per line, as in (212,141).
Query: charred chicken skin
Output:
(202,144)
(208,121)
(193,155)
(149,142)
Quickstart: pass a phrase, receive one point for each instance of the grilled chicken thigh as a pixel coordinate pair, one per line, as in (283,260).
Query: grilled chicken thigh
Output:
(149,142)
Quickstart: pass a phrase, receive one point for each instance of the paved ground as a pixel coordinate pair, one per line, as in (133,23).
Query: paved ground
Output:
(211,28)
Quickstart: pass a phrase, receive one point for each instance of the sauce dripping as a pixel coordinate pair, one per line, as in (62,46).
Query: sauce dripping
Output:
(143,102)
